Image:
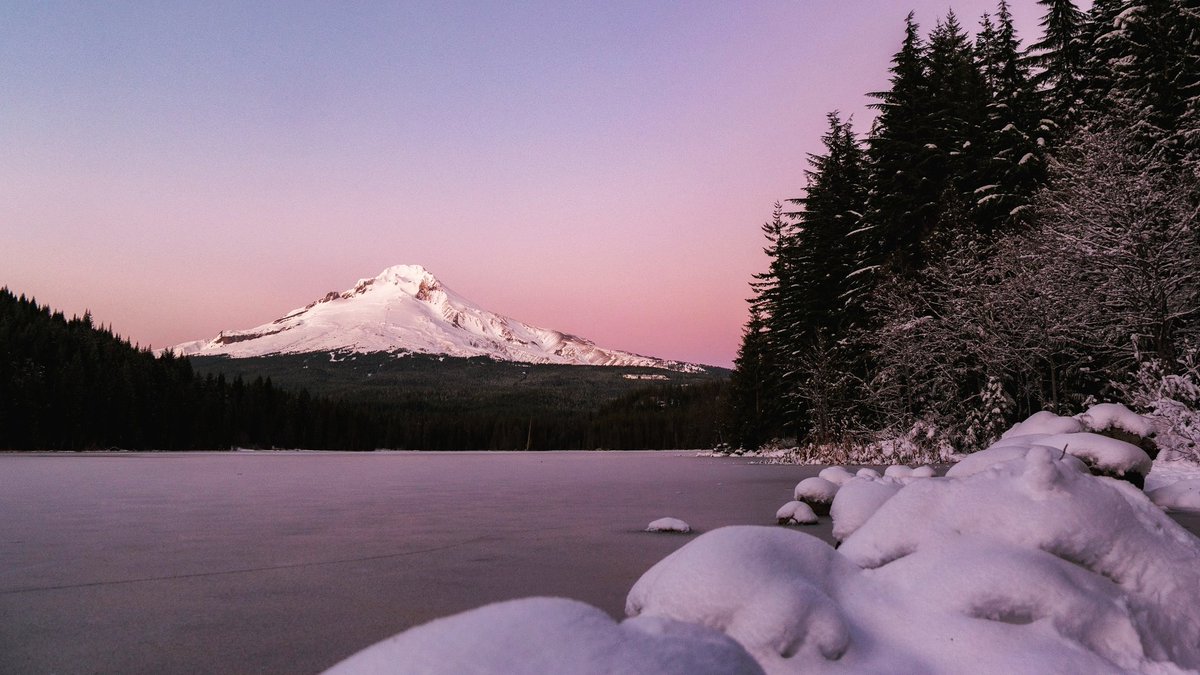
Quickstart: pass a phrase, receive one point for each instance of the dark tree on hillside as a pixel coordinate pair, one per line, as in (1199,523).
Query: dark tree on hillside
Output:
(1014,136)
(1059,58)
(902,199)
(1154,65)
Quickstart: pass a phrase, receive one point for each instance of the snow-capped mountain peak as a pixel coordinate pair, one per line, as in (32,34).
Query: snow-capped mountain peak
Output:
(407,309)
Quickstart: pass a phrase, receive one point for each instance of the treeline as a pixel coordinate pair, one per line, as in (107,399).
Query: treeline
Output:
(1017,232)
(654,418)
(68,384)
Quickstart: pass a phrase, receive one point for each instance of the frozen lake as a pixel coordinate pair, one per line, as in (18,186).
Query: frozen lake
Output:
(289,562)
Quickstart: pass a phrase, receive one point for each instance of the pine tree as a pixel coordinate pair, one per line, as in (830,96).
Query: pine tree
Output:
(1155,67)
(1014,139)
(1060,57)
(901,200)
(825,249)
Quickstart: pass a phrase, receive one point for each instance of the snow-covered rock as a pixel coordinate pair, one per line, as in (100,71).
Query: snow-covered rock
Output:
(1030,566)
(550,635)
(1044,422)
(768,588)
(1103,455)
(817,492)
(835,474)
(668,525)
(898,471)
(796,513)
(1105,416)
(407,309)
(923,472)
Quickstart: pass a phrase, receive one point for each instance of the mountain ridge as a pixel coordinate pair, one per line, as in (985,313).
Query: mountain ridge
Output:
(406,309)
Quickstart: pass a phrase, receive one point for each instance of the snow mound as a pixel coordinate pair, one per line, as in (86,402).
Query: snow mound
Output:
(796,513)
(898,471)
(815,489)
(857,501)
(1183,495)
(1044,524)
(1105,416)
(550,635)
(768,588)
(1044,422)
(835,474)
(668,525)
(923,472)
(867,472)
(1102,453)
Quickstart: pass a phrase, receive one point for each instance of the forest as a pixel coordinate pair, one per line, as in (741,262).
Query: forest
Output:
(68,384)
(1017,231)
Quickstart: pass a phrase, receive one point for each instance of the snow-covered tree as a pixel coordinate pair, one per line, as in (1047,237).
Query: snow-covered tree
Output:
(1125,224)
(1059,58)
(1014,137)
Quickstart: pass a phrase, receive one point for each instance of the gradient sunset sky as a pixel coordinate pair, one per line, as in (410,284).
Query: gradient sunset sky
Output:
(602,168)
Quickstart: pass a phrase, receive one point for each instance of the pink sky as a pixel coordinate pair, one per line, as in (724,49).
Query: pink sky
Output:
(598,168)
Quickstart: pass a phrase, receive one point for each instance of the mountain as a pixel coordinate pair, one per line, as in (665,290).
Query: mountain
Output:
(406,309)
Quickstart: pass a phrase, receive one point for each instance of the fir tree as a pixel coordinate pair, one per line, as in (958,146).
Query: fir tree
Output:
(1059,56)
(901,200)
(1014,139)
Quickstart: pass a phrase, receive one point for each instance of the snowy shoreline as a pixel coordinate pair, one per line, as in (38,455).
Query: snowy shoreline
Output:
(1018,560)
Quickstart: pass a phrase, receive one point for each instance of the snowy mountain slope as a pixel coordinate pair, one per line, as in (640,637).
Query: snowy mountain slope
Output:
(406,309)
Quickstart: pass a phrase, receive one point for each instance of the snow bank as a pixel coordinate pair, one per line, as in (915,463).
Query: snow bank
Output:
(857,501)
(1102,454)
(1045,523)
(1182,495)
(668,525)
(550,635)
(1031,566)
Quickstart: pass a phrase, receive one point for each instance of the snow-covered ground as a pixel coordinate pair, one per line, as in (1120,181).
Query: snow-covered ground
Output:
(1021,560)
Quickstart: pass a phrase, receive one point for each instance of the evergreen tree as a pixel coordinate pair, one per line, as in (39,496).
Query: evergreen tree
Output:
(901,199)
(825,249)
(1059,56)
(1014,138)
(1155,73)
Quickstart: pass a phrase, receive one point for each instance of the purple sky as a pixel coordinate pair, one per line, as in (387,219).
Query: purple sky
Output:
(600,168)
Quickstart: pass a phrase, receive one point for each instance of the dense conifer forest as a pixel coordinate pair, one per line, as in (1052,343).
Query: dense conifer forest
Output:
(1017,231)
(68,384)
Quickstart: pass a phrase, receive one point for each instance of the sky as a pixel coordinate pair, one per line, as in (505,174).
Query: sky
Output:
(601,168)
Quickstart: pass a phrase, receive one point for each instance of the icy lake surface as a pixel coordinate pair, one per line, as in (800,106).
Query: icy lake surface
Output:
(289,562)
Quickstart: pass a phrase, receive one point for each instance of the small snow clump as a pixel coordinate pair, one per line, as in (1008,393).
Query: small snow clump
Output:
(668,525)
